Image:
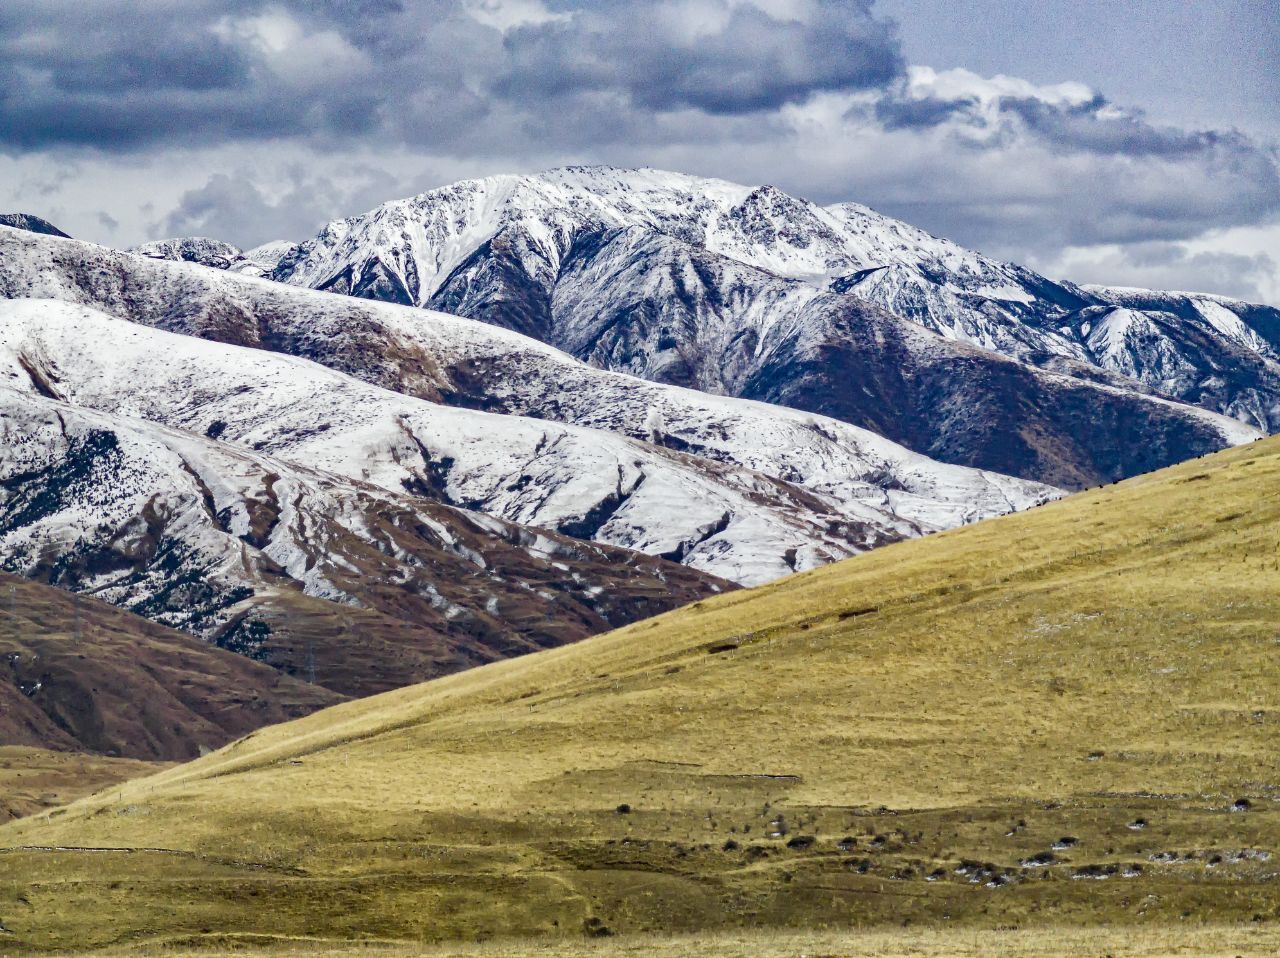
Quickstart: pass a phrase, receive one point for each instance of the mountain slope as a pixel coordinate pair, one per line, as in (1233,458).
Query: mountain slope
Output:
(509,250)
(587,483)
(317,575)
(35,779)
(694,317)
(817,488)
(259,261)
(1049,717)
(79,675)
(32,224)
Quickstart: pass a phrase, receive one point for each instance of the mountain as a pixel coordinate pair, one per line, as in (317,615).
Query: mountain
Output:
(192,249)
(739,489)
(747,291)
(259,261)
(1048,719)
(32,224)
(323,577)
(80,675)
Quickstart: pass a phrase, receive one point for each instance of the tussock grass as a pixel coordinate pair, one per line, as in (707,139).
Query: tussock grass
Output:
(936,716)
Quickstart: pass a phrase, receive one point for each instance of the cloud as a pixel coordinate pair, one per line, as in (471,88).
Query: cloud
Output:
(141,74)
(1070,115)
(718,56)
(162,72)
(256,119)
(1023,167)
(238,207)
(1246,272)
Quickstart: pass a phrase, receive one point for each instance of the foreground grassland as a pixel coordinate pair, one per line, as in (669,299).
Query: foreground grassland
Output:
(1066,717)
(1052,942)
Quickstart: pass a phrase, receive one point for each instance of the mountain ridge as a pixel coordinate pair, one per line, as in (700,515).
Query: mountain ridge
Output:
(416,251)
(30,223)
(316,574)
(826,470)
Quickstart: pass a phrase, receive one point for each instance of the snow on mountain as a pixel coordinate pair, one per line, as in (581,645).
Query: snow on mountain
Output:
(649,304)
(192,249)
(496,249)
(32,224)
(259,261)
(746,491)
(271,559)
(937,394)
(263,260)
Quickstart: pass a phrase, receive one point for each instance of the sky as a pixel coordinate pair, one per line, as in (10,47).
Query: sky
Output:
(1128,143)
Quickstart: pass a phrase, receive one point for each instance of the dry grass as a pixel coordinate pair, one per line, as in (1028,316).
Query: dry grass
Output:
(35,779)
(1214,941)
(953,707)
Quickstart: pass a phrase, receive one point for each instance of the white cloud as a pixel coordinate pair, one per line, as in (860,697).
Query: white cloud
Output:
(927,83)
(299,56)
(505,15)
(1240,262)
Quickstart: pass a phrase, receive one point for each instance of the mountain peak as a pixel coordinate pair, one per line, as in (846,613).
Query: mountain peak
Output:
(32,224)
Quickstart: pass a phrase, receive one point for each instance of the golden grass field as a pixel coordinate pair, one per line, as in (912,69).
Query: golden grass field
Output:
(897,740)
(1206,941)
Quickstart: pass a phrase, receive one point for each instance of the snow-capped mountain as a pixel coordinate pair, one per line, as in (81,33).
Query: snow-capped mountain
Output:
(259,261)
(294,567)
(951,398)
(697,281)
(286,563)
(743,490)
(32,224)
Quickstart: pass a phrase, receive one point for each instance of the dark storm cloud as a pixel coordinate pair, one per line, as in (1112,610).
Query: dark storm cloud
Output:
(742,59)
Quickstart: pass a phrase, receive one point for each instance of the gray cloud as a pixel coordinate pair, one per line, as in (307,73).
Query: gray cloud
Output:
(159,72)
(924,113)
(1254,277)
(1075,119)
(1173,266)
(745,60)
(256,119)
(1019,167)
(148,73)
(232,206)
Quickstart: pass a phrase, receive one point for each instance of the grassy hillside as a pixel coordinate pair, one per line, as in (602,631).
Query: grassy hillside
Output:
(903,737)
(77,674)
(1057,941)
(34,779)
